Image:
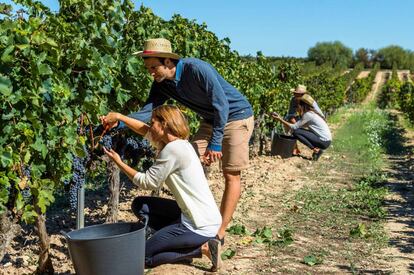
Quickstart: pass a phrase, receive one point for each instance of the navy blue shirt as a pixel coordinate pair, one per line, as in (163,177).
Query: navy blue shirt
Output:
(201,88)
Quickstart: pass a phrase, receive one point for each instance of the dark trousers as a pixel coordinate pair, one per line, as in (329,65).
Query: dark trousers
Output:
(172,241)
(310,139)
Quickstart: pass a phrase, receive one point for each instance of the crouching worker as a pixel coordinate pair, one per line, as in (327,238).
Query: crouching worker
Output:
(185,227)
(311,129)
(293,112)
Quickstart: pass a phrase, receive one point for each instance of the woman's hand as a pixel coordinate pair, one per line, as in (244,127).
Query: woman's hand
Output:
(130,172)
(113,155)
(111,120)
(276,116)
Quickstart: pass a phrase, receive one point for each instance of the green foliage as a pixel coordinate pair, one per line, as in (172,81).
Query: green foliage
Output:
(228,254)
(334,53)
(398,94)
(329,88)
(361,87)
(406,99)
(238,229)
(364,56)
(312,260)
(388,96)
(367,198)
(263,235)
(54,67)
(284,236)
(363,138)
(359,231)
(395,57)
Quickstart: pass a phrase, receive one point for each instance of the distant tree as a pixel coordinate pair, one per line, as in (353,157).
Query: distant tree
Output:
(365,56)
(411,61)
(335,53)
(394,56)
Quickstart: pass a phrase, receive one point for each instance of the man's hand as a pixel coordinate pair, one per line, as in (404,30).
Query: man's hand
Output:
(211,156)
(111,120)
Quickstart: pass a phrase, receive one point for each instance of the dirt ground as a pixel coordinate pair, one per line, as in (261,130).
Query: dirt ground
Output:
(268,184)
(268,188)
(403,75)
(400,205)
(267,178)
(363,74)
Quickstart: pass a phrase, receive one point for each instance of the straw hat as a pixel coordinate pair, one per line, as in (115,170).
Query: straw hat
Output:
(300,89)
(158,47)
(307,99)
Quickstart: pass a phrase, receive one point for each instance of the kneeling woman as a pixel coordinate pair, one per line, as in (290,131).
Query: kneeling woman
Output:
(312,129)
(185,228)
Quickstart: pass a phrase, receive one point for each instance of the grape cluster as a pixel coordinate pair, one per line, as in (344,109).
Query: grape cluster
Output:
(106,142)
(131,148)
(136,149)
(130,142)
(146,164)
(26,171)
(78,178)
(26,193)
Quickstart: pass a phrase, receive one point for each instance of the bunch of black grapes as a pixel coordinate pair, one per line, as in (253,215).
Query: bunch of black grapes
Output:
(26,170)
(130,147)
(78,177)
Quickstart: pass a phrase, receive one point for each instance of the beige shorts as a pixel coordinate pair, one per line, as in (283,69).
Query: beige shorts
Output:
(235,146)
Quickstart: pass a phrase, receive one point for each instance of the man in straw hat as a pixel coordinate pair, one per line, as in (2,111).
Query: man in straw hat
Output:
(227,116)
(292,115)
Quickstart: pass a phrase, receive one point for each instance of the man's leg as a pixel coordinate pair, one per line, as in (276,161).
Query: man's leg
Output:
(235,159)
(231,196)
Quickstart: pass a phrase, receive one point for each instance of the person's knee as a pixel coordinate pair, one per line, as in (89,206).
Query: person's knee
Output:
(232,177)
(295,134)
(138,207)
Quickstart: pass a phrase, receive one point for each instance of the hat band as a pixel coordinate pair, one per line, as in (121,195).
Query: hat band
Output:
(144,52)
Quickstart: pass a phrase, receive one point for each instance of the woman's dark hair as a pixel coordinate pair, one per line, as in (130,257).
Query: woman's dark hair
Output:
(306,107)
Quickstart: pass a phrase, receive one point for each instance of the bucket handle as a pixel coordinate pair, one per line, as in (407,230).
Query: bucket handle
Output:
(65,234)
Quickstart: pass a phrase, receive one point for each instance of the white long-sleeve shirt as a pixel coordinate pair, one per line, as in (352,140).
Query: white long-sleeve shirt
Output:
(179,167)
(316,124)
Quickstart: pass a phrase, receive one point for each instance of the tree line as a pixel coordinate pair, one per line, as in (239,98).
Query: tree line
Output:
(336,54)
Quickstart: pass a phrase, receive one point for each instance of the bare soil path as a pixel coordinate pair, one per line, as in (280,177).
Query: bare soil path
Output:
(403,75)
(363,74)
(400,203)
(380,79)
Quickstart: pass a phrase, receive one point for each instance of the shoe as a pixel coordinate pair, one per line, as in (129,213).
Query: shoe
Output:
(221,240)
(214,246)
(149,232)
(316,156)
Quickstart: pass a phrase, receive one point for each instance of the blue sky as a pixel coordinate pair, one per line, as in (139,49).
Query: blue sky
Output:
(291,27)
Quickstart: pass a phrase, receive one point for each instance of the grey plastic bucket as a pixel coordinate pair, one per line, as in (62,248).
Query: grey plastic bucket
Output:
(113,248)
(283,145)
